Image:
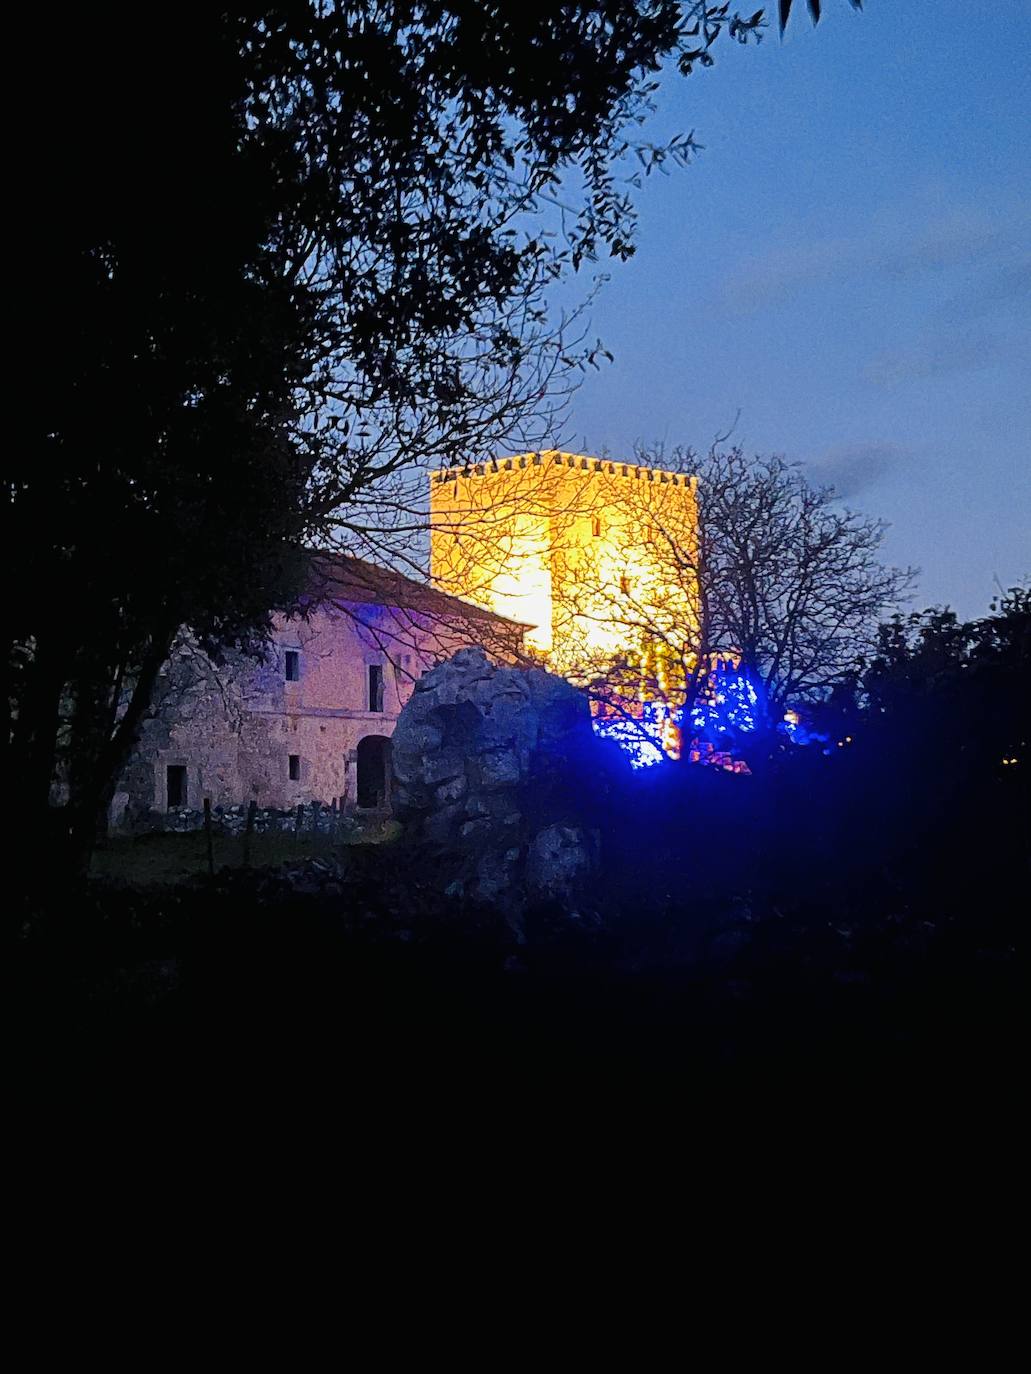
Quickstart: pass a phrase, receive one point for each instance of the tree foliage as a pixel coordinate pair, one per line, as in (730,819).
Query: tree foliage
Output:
(955,695)
(784,8)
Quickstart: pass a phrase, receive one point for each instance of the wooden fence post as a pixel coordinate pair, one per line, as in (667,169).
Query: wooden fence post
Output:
(248,831)
(208,837)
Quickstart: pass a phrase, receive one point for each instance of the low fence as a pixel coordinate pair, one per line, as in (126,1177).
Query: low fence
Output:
(315,818)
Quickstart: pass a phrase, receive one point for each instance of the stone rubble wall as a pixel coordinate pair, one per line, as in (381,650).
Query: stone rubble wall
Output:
(492,766)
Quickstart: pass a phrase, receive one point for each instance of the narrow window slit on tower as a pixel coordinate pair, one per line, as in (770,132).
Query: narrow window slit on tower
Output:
(294,765)
(595,526)
(292,665)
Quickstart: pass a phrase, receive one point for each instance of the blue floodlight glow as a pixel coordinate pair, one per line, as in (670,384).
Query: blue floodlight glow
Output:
(795,729)
(640,735)
(733,704)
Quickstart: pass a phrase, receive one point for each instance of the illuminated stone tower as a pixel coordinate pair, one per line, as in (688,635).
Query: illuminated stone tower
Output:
(582,549)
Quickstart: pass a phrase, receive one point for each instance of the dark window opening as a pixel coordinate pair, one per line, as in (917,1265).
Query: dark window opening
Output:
(375,687)
(293,665)
(294,766)
(373,771)
(175,784)
(624,585)
(595,526)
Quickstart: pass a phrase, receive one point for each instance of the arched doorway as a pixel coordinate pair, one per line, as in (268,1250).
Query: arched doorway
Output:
(373,771)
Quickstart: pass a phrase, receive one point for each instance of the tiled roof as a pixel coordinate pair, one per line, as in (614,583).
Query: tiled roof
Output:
(341,577)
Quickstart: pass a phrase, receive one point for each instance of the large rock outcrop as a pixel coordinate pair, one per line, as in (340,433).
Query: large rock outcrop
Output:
(492,765)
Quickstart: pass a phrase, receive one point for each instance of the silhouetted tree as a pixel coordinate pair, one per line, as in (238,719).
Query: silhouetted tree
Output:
(955,697)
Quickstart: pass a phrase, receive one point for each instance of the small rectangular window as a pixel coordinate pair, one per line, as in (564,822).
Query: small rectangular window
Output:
(375,687)
(595,526)
(292,663)
(295,767)
(175,785)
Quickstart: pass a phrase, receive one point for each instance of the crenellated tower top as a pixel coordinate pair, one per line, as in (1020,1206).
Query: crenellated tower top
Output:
(559,541)
(547,459)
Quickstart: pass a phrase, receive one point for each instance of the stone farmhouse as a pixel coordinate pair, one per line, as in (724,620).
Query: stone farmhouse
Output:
(542,555)
(313,720)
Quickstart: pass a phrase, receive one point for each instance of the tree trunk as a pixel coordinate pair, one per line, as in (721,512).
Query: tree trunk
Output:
(33,753)
(34,734)
(90,806)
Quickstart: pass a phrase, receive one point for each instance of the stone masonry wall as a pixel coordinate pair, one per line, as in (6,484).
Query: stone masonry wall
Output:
(492,767)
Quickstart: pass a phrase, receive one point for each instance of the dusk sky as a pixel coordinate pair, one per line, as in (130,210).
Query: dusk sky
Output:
(849,263)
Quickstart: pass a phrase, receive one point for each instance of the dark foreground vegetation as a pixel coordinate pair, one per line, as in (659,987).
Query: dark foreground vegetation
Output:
(856,916)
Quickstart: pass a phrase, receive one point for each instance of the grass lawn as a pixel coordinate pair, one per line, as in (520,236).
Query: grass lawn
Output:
(171,858)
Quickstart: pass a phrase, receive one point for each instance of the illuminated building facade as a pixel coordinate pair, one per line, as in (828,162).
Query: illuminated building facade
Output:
(594,555)
(312,720)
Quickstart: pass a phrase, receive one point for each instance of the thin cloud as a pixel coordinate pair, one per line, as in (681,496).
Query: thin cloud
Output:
(983,324)
(936,358)
(1004,290)
(885,252)
(851,468)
